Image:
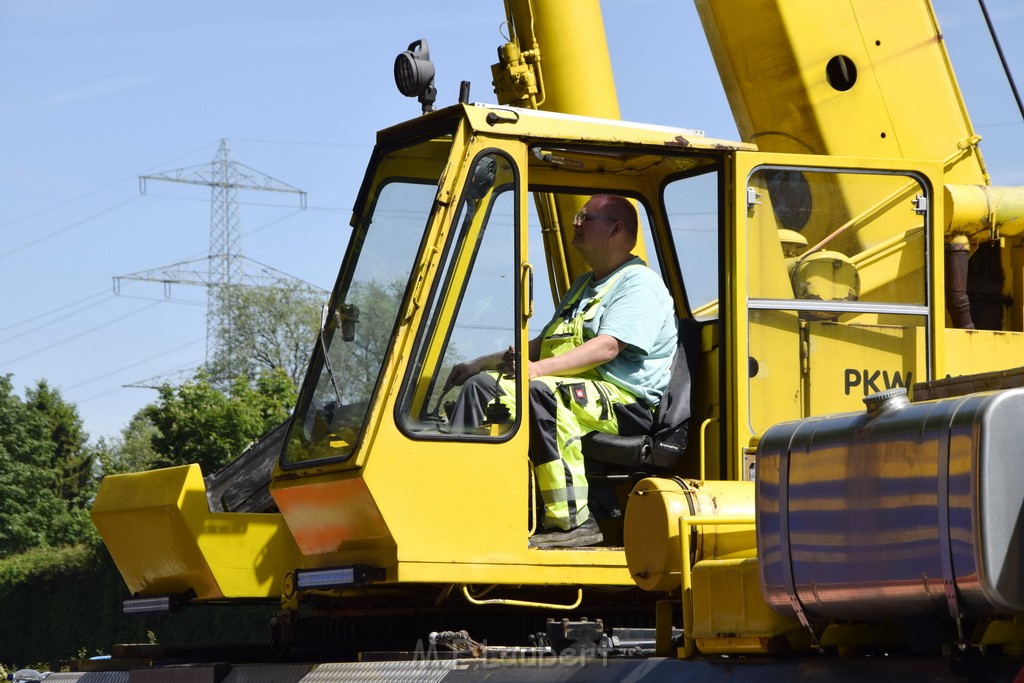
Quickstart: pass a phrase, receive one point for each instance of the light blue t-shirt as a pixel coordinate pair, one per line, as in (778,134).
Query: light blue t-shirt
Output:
(638,311)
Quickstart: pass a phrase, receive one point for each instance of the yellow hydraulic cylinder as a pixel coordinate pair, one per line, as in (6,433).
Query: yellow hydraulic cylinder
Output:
(565,41)
(557,60)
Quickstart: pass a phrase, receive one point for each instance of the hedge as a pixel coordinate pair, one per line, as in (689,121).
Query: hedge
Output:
(65,603)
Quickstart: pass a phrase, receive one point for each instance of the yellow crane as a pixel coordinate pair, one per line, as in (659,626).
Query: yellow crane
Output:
(851,293)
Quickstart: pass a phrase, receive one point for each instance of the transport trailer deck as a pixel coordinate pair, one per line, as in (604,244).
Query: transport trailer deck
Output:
(524,666)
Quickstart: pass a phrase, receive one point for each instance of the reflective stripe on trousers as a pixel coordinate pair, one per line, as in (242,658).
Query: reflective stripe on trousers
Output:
(562,410)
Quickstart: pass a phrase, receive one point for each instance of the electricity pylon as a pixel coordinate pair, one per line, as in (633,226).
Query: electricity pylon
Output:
(225,267)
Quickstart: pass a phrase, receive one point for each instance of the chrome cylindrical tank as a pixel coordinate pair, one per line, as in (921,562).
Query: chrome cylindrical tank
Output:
(904,509)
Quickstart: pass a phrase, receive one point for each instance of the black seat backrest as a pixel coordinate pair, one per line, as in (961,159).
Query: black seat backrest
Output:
(665,446)
(672,418)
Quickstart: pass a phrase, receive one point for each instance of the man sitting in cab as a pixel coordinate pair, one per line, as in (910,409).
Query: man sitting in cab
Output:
(601,364)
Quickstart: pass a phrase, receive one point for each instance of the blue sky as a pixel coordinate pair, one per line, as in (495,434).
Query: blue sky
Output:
(94,94)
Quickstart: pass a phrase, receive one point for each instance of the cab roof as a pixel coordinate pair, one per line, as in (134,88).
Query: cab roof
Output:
(540,125)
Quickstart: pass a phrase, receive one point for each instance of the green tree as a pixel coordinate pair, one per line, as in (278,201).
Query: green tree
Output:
(132,450)
(33,512)
(197,422)
(267,328)
(70,457)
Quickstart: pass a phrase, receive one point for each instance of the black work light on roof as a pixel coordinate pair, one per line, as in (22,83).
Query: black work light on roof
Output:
(414,74)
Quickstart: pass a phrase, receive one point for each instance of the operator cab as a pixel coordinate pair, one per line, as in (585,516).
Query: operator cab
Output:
(461,245)
(468,277)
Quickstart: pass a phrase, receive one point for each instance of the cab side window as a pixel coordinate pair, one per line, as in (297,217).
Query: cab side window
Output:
(691,205)
(472,308)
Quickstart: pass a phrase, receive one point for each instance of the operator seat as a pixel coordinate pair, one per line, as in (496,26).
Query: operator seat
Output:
(614,458)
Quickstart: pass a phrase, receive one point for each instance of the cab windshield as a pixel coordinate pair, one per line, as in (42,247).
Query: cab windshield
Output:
(357,326)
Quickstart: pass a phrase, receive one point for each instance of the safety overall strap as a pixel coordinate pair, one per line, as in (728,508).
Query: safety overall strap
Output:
(565,333)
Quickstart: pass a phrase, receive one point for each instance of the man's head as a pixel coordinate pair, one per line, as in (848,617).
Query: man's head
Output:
(606,229)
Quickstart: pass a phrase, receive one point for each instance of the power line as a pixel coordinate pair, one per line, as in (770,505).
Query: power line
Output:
(273,222)
(96,191)
(79,335)
(309,207)
(1002,59)
(95,396)
(66,228)
(128,367)
(40,212)
(199,255)
(170,300)
(300,143)
(58,309)
(19,335)
(203,146)
(158,381)
(52,322)
(999,124)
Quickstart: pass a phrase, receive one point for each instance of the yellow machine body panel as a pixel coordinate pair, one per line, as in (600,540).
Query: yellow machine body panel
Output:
(163,538)
(438,524)
(847,78)
(653,533)
(731,617)
(975,351)
(322,526)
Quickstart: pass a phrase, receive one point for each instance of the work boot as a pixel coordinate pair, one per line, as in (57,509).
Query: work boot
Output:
(585,534)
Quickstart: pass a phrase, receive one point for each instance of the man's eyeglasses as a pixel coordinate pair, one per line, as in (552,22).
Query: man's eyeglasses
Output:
(583,217)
